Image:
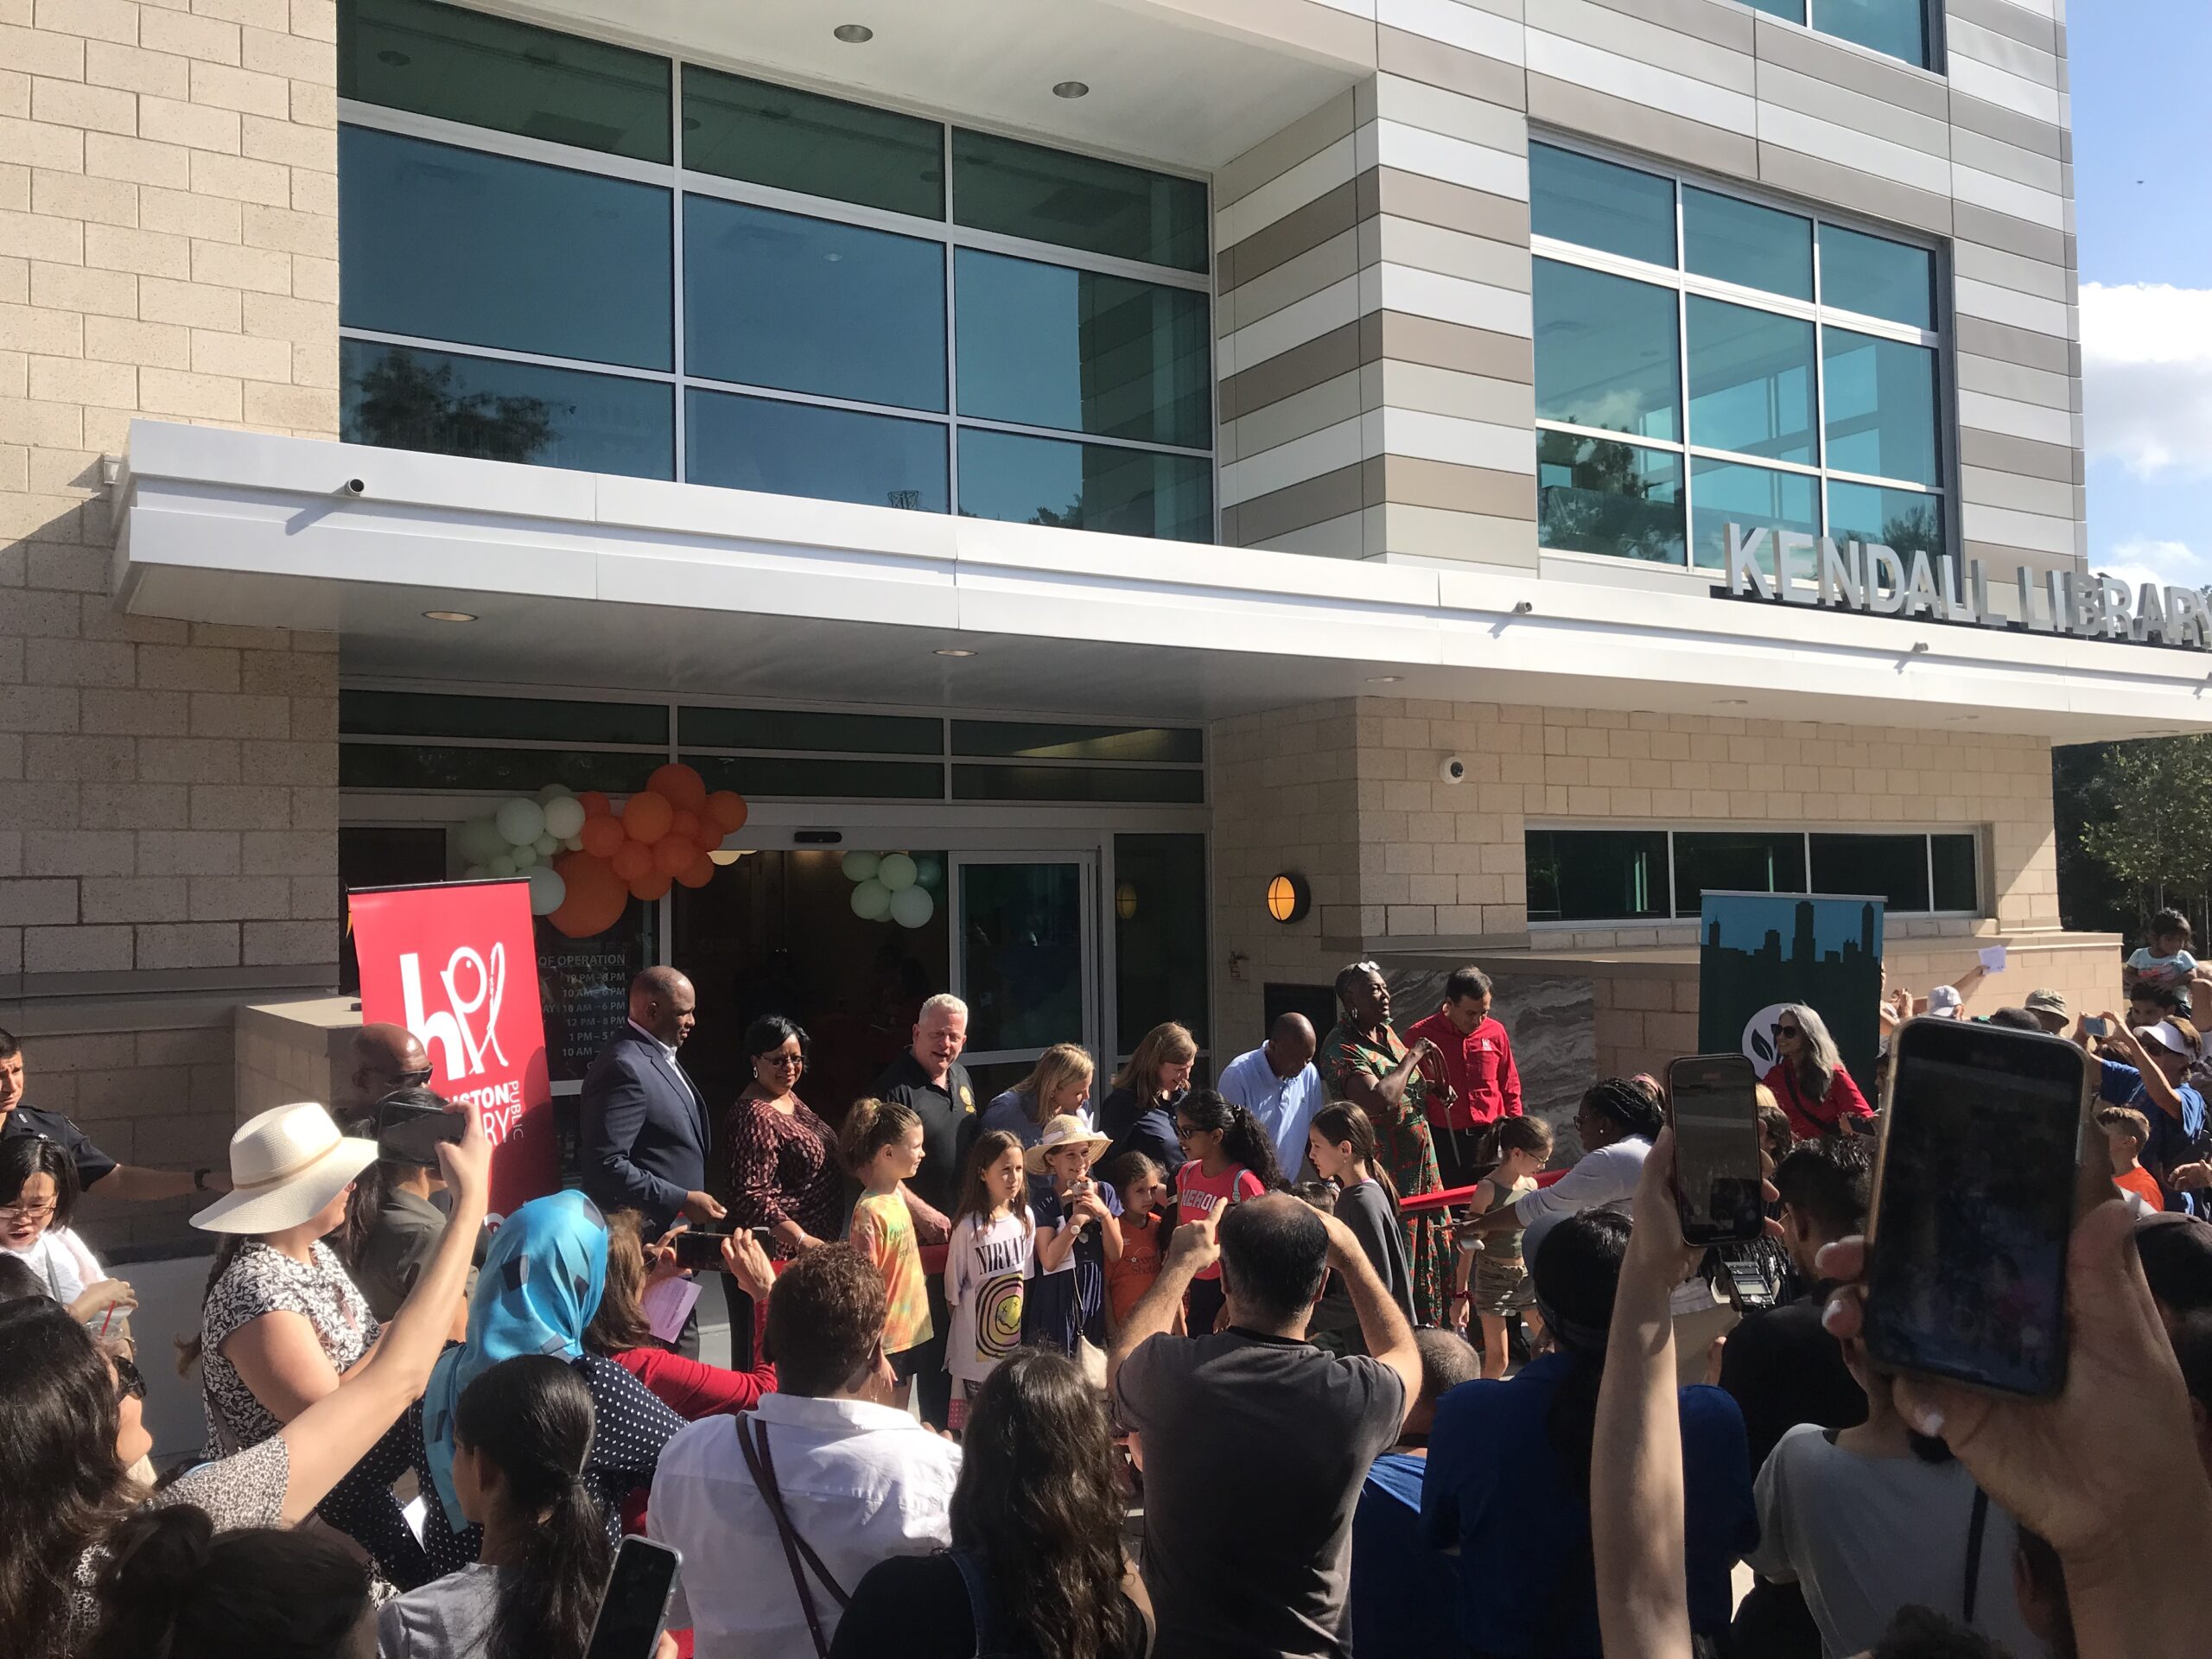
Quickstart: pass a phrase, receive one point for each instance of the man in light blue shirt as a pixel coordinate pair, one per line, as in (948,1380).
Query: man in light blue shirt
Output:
(1278,1084)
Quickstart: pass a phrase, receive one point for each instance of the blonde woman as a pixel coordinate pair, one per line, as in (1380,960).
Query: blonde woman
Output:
(1058,1086)
(1140,1115)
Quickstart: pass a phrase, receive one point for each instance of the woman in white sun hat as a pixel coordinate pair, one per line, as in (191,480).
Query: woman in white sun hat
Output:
(282,1326)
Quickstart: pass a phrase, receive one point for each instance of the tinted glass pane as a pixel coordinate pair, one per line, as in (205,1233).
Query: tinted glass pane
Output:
(1897,518)
(1723,493)
(422,714)
(1077,784)
(1085,486)
(1957,887)
(1594,497)
(1792,9)
(1045,345)
(808,305)
(414,765)
(1740,242)
(1597,204)
(1021,954)
(456,245)
(898,780)
(1881,406)
(490,72)
(1078,201)
(1751,382)
(1896,27)
(832,455)
(399,398)
(1157,976)
(1045,741)
(1607,352)
(817,146)
(1890,867)
(781,728)
(1596,875)
(1754,861)
(1878,277)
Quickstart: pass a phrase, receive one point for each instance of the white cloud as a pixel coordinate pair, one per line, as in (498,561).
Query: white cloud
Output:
(2168,563)
(2146,370)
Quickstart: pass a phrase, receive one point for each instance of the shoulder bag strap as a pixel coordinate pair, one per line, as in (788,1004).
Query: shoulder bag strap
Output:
(763,1468)
(1976,1525)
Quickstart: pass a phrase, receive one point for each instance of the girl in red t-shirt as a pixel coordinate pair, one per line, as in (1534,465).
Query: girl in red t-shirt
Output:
(1231,1159)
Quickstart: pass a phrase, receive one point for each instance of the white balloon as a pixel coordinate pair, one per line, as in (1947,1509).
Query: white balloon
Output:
(871,900)
(553,792)
(858,866)
(479,840)
(574,843)
(502,866)
(520,821)
(474,873)
(896,871)
(564,818)
(912,906)
(547,845)
(524,855)
(546,890)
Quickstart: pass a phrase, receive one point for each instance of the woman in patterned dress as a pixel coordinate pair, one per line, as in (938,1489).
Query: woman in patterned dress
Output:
(1362,1061)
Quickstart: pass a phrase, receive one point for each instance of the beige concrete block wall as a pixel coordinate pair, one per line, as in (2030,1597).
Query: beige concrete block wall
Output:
(169,246)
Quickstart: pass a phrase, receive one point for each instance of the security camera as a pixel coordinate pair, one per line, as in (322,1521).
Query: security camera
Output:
(1452,770)
(354,486)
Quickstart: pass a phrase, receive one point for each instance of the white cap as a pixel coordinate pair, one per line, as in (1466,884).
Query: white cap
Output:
(1945,1000)
(2168,1036)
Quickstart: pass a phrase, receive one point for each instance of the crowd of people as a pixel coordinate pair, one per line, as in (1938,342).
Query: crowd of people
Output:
(1339,1355)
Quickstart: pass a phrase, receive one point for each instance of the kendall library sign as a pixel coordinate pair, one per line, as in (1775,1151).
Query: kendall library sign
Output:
(1878,580)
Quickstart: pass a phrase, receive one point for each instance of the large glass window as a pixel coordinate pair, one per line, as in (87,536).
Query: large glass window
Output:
(512,236)
(1661,397)
(1640,875)
(1896,28)
(456,245)
(801,304)
(400,398)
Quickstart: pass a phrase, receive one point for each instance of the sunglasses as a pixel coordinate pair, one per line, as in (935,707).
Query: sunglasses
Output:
(1184,1131)
(129,1383)
(1788,1031)
(412,1079)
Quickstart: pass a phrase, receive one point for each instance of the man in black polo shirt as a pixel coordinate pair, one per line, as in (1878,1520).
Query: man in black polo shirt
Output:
(115,1179)
(1783,1368)
(929,1078)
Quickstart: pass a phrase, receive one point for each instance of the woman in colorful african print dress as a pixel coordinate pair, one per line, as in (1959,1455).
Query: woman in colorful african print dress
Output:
(1363,1062)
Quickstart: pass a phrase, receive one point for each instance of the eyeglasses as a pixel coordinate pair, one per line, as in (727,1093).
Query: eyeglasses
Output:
(128,1383)
(1788,1031)
(1184,1131)
(13,1213)
(784,1059)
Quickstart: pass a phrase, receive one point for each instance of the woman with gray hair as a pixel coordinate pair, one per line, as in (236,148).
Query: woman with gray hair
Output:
(1809,1080)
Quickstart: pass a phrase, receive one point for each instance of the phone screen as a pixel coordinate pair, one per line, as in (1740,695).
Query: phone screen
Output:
(630,1613)
(1717,1177)
(1974,1203)
(698,1251)
(2092,1025)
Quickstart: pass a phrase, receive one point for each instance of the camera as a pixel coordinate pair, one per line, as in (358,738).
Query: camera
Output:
(1453,770)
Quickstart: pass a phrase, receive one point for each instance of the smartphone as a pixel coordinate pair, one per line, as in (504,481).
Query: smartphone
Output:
(1714,1102)
(2092,1025)
(411,1134)
(1975,1197)
(698,1251)
(635,1605)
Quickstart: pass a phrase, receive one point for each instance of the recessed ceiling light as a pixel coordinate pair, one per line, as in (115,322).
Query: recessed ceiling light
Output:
(853,34)
(1384,679)
(1071,89)
(953,651)
(1732,703)
(450,616)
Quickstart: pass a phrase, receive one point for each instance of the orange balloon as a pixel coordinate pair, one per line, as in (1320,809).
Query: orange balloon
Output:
(649,887)
(631,859)
(596,898)
(595,803)
(647,816)
(698,873)
(727,808)
(685,825)
(681,785)
(672,856)
(603,837)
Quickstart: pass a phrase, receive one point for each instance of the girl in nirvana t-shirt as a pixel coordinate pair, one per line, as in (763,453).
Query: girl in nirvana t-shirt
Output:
(986,1264)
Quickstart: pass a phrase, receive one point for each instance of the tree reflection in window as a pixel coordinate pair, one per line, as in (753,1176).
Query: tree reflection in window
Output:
(1595,497)
(404,404)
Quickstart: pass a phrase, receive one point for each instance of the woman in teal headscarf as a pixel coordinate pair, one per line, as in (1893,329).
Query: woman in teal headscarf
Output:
(537,1291)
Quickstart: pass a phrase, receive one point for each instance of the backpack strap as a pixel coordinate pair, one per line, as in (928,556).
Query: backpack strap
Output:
(1977,1524)
(796,1547)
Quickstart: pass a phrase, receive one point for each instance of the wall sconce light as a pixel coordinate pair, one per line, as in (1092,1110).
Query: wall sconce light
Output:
(1289,897)
(1125,900)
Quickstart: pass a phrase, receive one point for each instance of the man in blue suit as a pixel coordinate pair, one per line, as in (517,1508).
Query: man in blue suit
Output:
(646,1132)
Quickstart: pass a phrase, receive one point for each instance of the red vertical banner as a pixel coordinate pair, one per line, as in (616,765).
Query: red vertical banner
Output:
(456,963)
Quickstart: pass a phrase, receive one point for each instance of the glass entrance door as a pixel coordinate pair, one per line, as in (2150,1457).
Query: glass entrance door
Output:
(1024,959)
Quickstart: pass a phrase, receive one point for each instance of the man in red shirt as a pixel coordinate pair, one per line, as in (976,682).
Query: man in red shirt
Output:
(1472,1079)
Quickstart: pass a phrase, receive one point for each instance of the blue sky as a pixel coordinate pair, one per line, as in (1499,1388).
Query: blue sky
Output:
(2143,188)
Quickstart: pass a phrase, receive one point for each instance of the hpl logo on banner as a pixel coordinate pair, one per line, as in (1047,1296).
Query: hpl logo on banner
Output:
(434,960)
